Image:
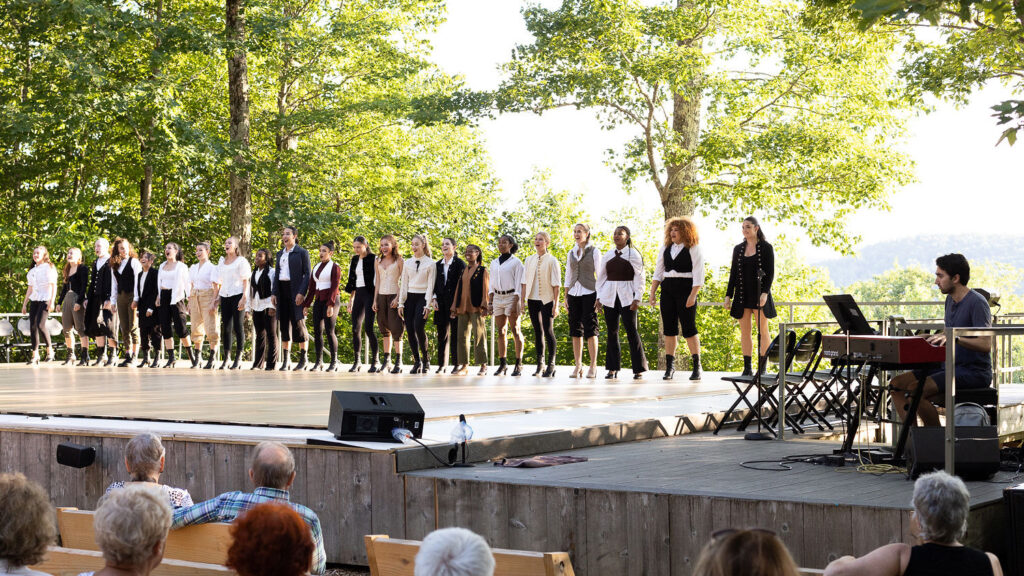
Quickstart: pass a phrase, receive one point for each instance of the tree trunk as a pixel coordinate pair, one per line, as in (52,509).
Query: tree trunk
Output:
(238,130)
(146,184)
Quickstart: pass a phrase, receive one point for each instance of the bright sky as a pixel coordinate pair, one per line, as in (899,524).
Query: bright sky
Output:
(965,183)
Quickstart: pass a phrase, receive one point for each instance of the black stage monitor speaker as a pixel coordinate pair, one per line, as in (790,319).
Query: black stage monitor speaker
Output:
(371,416)
(977,451)
(75,455)
(1014,499)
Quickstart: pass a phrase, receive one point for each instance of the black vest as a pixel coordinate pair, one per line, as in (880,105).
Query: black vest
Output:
(476,287)
(126,279)
(682,263)
(262,287)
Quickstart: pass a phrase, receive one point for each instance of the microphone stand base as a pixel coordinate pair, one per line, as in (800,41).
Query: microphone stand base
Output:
(757,436)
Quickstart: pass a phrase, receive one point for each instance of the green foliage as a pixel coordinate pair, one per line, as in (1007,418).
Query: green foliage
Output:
(799,116)
(979,41)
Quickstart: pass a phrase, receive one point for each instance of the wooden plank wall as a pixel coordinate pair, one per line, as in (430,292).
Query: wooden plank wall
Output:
(637,533)
(336,484)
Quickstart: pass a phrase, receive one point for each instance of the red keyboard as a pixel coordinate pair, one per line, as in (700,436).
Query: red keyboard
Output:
(890,350)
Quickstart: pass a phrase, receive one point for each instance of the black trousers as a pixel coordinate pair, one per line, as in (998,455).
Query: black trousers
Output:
(265,348)
(172,316)
(232,325)
(324,324)
(543,323)
(37,314)
(293,325)
(582,316)
(613,348)
(447,342)
(149,331)
(363,317)
(416,324)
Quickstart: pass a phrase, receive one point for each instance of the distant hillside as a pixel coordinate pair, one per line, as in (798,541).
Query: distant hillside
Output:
(922,250)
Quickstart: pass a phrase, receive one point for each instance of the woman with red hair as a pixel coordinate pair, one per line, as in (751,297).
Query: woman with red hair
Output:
(270,540)
(680,273)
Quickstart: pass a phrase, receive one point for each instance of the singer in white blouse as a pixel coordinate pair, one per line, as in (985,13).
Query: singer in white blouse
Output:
(172,278)
(42,288)
(233,273)
(503,301)
(418,276)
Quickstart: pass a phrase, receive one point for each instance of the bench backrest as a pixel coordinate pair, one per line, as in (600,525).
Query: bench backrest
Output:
(206,543)
(392,557)
(70,562)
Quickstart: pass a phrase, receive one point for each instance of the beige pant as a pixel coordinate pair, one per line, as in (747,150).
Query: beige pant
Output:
(476,324)
(203,311)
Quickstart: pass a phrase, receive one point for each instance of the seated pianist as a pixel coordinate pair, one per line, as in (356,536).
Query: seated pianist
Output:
(965,308)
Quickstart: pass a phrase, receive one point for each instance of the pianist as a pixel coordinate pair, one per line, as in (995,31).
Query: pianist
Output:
(965,308)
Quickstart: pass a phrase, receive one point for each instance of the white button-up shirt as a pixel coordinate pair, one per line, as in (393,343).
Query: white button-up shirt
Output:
(233,276)
(507,276)
(203,275)
(176,280)
(282,265)
(43,280)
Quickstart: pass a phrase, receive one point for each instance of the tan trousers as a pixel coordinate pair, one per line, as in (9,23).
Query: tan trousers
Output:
(203,311)
(472,322)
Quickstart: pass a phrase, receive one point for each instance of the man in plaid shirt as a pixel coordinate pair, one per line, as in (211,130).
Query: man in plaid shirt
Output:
(272,471)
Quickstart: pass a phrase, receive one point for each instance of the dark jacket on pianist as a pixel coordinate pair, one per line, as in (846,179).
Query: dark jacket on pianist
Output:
(368,268)
(444,291)
(148,294)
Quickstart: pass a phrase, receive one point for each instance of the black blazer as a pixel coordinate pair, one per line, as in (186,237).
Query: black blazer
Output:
(766,256)
(266,285)
(298,267)
(445,291)
(368,268)
(77,283)
(147,298)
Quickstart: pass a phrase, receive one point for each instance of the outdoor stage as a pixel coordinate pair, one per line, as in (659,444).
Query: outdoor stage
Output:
(642,504)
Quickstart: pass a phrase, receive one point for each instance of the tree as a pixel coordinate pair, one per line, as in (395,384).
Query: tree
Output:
(980,42)
(738,106)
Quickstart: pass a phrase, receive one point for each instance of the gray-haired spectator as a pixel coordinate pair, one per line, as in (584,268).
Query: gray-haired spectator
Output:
(941,504)
(26,524)
(144,460)
(272,471)
(131,528)
(454,552)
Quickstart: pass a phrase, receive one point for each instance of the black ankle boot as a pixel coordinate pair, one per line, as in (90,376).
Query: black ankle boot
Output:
(415,366)
(426,364)
(193,356)
(170,359)
(670,367)
(85,357)
(224,363)
(209,361)
(144,354)
(110,357)
(100,353)
(502,368)
(517,370)
(286,359)
(302,361)
(549,372)
(747,371)
(356,367)
(695,375)
(384,359)
(238,358)
(128,358)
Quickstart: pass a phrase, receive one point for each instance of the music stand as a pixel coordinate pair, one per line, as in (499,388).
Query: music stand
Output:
(846,311)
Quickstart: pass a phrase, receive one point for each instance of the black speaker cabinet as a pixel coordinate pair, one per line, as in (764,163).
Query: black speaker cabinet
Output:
(977,451)
(75,455)
(371,416)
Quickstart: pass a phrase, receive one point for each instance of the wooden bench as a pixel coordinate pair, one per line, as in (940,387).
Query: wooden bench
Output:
(70,562)
(391,557)
(204,543)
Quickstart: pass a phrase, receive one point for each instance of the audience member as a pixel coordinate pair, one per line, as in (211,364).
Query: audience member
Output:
(454,552)
(270,540)
(144,460)
(131,530)
(940,506)
(26,525)
(753,552)
(272,473)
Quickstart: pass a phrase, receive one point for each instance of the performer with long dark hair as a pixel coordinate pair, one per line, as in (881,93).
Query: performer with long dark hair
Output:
(387,284)
(503,301)
(72,294)
(360,286)
(124,265)
(750,288)
(620,286)
(99,310)
(581,264)
(291,280)
(322,295)
(417,282)
(680,273)
(264,318)
(173,280)
(147,291)
(542,279)
(446,281)
(202,305)
(39,297)
(469,307)
(233,273)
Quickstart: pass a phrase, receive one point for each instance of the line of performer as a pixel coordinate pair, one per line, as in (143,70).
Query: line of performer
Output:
(127,296)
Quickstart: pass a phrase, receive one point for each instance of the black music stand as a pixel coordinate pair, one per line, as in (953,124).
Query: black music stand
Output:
(846,311)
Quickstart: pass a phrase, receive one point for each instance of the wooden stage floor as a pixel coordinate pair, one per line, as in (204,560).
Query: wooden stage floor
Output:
(302,399)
